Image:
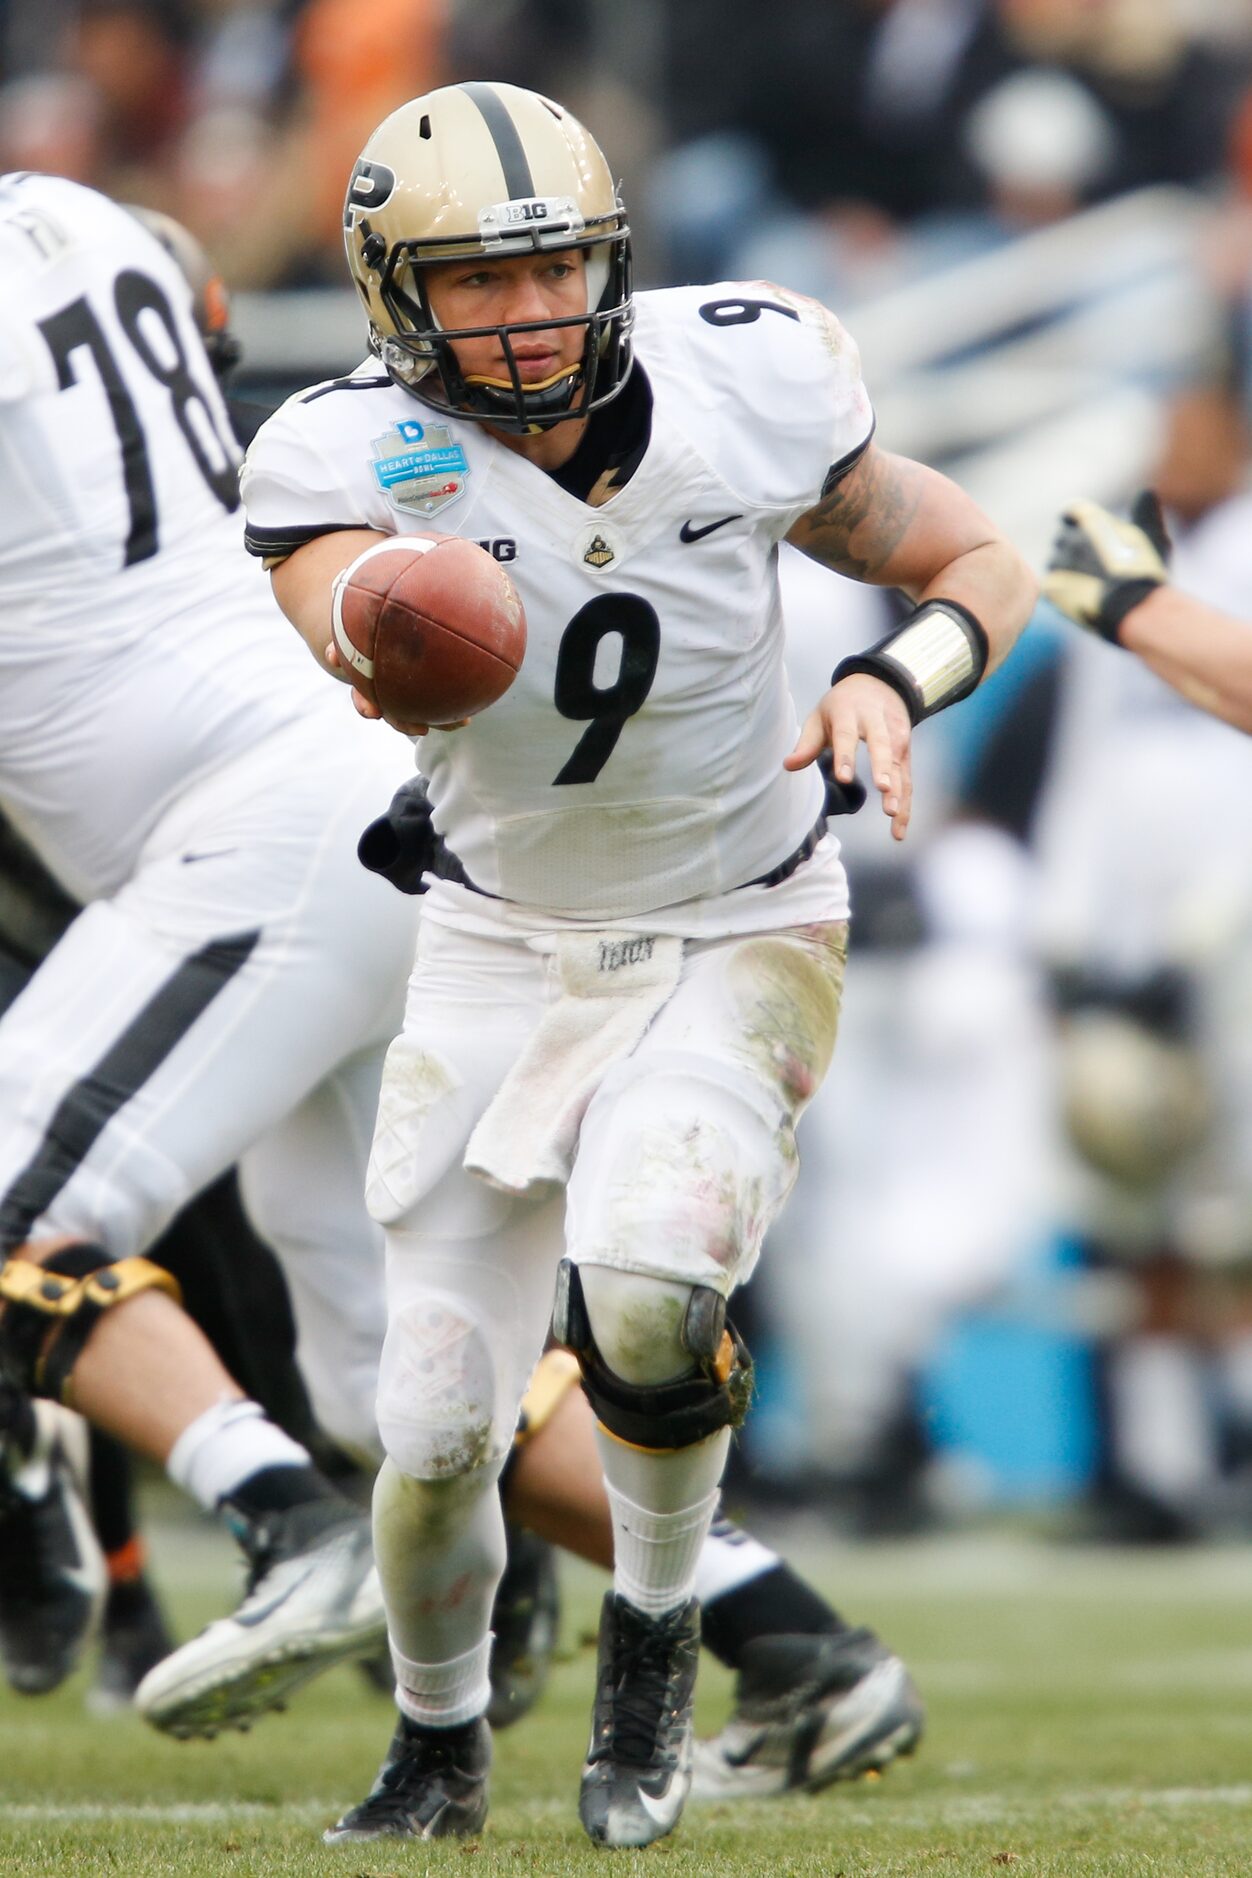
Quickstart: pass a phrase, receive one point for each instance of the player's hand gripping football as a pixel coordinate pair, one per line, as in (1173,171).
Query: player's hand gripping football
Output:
(365,709)
(1100,567)
(859,710)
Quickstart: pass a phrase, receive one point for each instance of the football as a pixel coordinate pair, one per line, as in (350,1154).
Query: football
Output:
(430,628)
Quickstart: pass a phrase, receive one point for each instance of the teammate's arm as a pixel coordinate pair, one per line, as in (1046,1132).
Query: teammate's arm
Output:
(894,523)
(1205,655)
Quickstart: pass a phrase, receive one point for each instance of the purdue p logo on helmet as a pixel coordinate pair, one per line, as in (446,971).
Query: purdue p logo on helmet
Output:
(488,170)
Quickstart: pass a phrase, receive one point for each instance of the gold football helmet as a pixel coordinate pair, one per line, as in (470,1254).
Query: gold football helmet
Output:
(489,170)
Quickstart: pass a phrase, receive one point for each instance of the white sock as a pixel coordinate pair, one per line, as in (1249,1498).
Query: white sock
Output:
(440,1551)
(729,1558)
(220,1450)
(655,1554)
(663,1504)
(444,1695)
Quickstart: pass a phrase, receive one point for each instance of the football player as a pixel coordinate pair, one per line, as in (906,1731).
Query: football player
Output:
(172,756)
(647,883)
(225,994)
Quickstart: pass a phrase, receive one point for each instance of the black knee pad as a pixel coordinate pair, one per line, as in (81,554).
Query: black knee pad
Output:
(663,1415)
(49,1308)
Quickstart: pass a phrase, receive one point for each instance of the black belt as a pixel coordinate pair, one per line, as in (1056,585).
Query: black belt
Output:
(787,868)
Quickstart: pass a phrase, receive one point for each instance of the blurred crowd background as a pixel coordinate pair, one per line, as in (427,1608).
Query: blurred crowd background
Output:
(1017,1273)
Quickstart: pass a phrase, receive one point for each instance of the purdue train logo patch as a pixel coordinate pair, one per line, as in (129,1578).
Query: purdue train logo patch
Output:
(418,467)
(598,553)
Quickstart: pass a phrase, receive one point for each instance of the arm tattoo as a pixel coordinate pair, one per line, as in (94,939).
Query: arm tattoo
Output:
(857,526)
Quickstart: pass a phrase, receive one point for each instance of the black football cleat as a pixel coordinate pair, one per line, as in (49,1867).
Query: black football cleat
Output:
(808,1711)
(638,1769)
(52,1571)
(432,1785)
(524,1625)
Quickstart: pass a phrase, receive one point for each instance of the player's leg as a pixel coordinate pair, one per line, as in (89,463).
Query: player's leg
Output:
(52,1574)
(141,1059)
(686,1153)
(817,1699)
(469,1289)
(467,1311)
(139,1368)
(104,1336)
(303,1186)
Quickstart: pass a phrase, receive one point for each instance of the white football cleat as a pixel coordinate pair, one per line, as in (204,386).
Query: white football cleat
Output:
(808,1711)
(313,1600)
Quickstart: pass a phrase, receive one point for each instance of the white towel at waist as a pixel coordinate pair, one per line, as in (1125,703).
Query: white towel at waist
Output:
(612,985)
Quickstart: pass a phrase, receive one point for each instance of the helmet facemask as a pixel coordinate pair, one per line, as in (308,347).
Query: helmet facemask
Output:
(420,353)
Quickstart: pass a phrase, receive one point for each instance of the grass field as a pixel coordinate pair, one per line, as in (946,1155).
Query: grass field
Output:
(1089,1713)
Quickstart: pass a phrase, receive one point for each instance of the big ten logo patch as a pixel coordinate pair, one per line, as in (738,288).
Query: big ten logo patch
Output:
(500,547)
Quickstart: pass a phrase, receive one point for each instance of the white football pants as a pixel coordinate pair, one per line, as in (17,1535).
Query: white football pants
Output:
(231,1003)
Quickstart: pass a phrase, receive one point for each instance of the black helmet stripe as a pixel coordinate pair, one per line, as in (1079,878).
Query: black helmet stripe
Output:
(518,180)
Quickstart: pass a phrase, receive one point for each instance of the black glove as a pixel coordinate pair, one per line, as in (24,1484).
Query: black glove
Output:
(1101,567)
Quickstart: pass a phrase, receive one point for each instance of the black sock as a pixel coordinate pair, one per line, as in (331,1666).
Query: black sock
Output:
(112,1497)
(422,1731)
(275,1489)
(775,1603)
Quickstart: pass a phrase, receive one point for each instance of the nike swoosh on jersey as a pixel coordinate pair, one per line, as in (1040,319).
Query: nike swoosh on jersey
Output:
(209,854)
(688,533)
(250,1618)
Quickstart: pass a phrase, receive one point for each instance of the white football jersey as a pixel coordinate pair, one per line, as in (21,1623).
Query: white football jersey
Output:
(138,649)
(636,763)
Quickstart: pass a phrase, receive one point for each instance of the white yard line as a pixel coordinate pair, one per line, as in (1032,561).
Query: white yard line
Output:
(957,1810)
(151,1813)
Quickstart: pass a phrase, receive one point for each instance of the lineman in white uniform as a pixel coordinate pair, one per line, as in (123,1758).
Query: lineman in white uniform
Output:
(617,1019)
(171,756)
